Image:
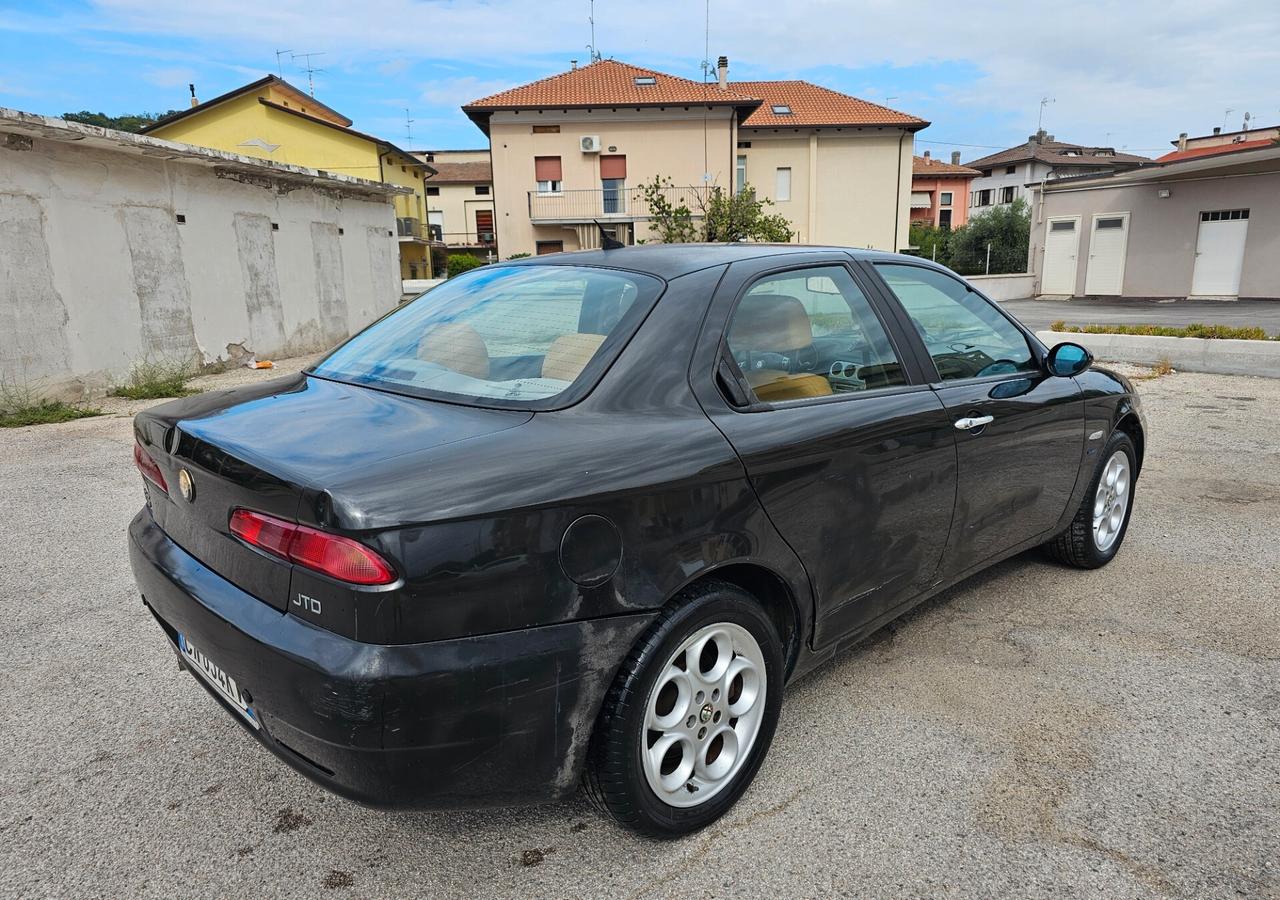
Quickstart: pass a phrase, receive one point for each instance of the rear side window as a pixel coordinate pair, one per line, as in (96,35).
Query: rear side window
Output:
(522,336)
(810,333)
(965,335)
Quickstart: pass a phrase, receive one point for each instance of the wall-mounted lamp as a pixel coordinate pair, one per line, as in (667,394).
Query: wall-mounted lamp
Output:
(1164,193)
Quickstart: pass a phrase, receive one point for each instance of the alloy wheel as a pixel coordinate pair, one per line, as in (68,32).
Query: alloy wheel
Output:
(1111,501)
(703,714)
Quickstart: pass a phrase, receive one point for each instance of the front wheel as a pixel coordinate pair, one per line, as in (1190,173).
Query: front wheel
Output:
(690,714)
(1094,536)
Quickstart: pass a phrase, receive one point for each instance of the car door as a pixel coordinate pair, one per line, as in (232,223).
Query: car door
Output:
(1019,431)
(848,449)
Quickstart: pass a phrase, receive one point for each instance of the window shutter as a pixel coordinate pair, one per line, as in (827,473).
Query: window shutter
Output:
(613,167)
(547,168)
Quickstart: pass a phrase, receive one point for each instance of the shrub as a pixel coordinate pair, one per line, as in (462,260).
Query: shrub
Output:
(519,256)
(20,406)
(155,381)
(463,262)
(1195,330)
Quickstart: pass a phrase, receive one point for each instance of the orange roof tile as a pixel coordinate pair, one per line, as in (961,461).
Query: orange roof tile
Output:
(931,166)
(811,104)
(1195,152)
(608,82)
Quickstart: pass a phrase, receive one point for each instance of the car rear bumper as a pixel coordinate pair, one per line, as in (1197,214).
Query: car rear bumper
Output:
(498,719)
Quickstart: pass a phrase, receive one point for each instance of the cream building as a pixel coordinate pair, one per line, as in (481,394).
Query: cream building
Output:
(460,199)
(571,150)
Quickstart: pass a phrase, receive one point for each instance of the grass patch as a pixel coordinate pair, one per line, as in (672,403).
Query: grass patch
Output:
(156,381)
(1195,330)
(1162,367)
(19,407)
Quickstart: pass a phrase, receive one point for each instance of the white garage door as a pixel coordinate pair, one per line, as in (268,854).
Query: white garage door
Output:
(1107,246)
(1061,243)
(1220,253)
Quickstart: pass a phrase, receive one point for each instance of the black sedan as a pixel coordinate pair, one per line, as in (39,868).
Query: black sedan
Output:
(579,519)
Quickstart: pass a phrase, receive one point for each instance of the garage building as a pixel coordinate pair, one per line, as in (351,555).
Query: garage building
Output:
(1207,226)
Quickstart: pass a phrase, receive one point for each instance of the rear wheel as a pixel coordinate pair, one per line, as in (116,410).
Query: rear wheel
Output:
(690,714)
(1094,536)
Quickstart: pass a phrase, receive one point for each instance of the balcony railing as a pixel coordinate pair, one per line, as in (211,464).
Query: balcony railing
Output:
(463,238)
(625,203)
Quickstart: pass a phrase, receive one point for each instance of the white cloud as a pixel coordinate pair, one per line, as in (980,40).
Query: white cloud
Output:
(457,91)
(1141,70)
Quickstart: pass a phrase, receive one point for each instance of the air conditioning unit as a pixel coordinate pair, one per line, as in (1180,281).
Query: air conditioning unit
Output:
(591,143)
(408,226)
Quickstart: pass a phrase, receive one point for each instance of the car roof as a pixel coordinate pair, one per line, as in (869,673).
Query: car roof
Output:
(672,260)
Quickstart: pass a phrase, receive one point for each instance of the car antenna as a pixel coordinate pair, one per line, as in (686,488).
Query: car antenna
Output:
(607,242)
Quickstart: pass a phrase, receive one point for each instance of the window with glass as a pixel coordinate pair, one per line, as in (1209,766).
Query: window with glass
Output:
(966,336)
(499,335)
(1008,194)
(810,333)
(548,174)
(783,191)
(740,173)
(945,198)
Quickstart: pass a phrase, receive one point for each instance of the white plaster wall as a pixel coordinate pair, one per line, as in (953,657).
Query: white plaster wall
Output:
(115,252)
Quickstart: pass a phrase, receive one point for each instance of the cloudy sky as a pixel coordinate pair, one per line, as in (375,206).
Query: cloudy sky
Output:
(1127,74)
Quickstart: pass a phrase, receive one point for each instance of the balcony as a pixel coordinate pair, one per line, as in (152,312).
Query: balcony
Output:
(463,238)
(623,204)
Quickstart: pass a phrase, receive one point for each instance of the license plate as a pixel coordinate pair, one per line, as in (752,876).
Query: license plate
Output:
(223,683)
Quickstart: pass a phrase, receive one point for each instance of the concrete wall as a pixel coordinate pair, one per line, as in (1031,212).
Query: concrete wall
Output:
(1161,249)
(98,274)
(848,189)
(1003,287)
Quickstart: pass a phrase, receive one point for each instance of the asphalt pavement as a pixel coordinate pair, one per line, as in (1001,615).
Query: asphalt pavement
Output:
(1034,732)
(1040,313)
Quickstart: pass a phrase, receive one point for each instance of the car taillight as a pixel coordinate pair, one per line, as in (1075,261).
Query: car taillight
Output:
(330,554)
(147,466)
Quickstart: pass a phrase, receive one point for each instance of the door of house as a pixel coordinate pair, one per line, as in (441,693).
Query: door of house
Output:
(1061,244)
(1220,253)
(1107,247)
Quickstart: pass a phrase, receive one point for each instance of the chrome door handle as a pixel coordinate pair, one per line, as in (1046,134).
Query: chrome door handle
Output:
(974,422)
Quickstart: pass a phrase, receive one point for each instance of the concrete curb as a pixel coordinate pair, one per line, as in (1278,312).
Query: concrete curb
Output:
(1220,357)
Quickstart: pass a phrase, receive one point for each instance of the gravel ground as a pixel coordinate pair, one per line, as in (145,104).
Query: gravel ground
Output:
(1034,732)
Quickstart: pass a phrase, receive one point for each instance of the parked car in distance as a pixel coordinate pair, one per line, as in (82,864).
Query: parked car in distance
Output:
(579,518)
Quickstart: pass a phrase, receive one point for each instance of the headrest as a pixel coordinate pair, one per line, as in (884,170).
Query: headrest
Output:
(456,346)
(770,322)
(569,354)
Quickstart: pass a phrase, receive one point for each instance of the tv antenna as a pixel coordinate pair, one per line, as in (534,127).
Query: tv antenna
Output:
(593,54)
(1226,115)
(311,69)
(408,128)
(280,65)
(1044,101)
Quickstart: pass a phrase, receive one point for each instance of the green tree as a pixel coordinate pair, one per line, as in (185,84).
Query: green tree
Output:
(134,123)
(1006,228)
(720,216)
(931,242)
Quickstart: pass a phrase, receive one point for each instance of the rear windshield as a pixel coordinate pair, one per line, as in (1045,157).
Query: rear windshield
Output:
(523,336)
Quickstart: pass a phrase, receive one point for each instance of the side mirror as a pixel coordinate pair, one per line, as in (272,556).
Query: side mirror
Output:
(1068,359)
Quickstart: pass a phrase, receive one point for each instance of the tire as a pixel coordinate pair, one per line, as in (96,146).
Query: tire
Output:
(624,777)
(1084,545)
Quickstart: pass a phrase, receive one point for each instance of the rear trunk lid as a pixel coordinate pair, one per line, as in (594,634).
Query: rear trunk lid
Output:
(276,448)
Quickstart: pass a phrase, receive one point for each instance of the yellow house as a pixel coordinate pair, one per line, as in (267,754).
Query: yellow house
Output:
(271,119)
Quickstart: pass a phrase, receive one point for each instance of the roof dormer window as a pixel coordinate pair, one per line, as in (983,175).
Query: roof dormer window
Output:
(781,109)
(645,80)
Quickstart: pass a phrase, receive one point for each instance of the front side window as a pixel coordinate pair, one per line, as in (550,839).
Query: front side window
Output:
(810,333)
(548,173)
(1008,194)
(966,336)
(499,335)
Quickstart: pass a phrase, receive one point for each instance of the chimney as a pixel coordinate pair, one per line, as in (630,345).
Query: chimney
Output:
(927,160)
(194,101)
(1182,141)
(722,72)
(955,157)
(573,64)
(1217,130)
